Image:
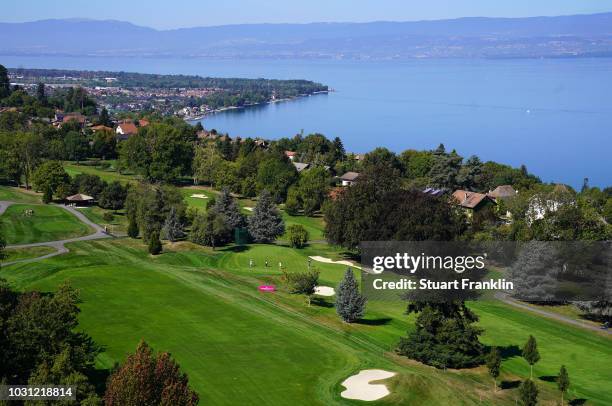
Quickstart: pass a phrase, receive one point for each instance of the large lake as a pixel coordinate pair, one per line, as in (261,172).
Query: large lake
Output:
(555,116)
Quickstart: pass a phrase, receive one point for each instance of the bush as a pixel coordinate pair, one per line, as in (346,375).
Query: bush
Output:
(298,235)
(108,216)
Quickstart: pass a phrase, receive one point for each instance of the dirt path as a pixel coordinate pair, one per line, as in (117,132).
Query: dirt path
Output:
(59,245)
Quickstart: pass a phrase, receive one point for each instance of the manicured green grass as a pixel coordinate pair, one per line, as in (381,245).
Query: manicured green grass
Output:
(108,175)
(239,346)
(314,225)
(13,194)
(15,254)
(95,214)
(48,223)
(197,202)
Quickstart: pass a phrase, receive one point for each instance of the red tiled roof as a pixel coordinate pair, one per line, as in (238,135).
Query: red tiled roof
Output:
(469,200)
(128,128)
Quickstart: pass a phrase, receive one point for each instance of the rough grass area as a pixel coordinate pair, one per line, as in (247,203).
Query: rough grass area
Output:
(48,223)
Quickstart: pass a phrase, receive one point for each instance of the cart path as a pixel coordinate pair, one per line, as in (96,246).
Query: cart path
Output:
(555,316)
(59,245)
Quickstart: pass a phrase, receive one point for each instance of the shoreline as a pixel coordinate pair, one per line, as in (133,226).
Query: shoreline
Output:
(224,109)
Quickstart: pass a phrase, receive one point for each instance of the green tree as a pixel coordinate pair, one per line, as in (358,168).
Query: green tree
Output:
(313,188)
(276,175)
(2,246)
(47,195)
(133,230)
(40,93)
(563,382)
(113,196)
(530,353)
(210,229)
(30,150)
(147,378)
(528,393)
(49,176)
(350,305)
(494,365)
(298,235)
(266,223)
(303,283)
(104,145)
(293,203)
(445,335)
(173,226)
(205,163)
(155,245)
(5,83)
(225,204)
(104,118)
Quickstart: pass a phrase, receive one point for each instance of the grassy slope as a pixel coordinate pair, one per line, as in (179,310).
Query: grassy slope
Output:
(13,194)
(240,346)
(48,223)
(14,254)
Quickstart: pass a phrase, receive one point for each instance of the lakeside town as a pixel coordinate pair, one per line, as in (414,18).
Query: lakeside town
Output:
(187,97)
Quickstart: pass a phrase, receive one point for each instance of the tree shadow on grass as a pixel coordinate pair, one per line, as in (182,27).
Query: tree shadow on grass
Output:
(548,378)
(234,248)
(321,302)
(578,402)
(374,322)
(509,384)
(510,351)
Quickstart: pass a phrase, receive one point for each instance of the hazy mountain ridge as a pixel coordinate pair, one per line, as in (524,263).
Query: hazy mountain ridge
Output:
(579,35)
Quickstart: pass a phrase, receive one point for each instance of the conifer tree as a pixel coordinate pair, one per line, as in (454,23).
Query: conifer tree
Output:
(350,305)
(530,353)
(226,205)
(266,223)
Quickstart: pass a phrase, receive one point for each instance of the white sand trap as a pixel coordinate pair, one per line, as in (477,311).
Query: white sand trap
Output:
(331,261)
(324,291)
(249,208)
(199,196)
(359,387)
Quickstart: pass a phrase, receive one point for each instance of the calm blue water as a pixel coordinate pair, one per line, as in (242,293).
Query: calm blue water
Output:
(555,116)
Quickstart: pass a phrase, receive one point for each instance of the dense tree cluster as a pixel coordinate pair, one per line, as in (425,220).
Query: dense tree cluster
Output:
(39,343)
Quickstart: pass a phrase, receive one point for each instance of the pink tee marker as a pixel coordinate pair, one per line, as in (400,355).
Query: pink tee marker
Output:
(267,288)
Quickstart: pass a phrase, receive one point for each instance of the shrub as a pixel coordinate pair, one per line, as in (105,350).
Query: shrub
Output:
(298,235)
(108,216)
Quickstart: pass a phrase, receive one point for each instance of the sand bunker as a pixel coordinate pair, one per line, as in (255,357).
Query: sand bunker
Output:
(249,208)
(331,261)
(324,291)
(200,196)
(359,387)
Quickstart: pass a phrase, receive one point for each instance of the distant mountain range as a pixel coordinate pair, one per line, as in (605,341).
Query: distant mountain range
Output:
(536,37)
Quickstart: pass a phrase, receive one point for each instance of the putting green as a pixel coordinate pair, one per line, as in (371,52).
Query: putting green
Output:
(47,223)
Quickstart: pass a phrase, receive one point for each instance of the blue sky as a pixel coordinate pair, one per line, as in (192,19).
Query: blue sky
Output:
(188,13)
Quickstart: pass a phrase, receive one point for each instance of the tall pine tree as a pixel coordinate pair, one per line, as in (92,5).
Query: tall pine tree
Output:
(350,305)
(226,205)
(266,223)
